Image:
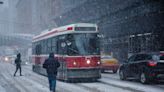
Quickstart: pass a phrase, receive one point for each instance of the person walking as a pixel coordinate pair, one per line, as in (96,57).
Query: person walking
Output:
(51,65)
(18,64)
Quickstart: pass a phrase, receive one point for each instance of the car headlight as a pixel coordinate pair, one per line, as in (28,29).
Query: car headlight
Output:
(74,63)
(88,61)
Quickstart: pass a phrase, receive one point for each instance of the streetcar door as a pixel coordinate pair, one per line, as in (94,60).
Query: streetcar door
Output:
(62,51)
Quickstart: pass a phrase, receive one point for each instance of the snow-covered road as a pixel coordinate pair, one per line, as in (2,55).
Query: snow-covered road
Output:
(32,82)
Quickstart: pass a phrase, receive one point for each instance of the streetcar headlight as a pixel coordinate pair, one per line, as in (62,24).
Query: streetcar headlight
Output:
(98,62)
(88,61)
(74,63)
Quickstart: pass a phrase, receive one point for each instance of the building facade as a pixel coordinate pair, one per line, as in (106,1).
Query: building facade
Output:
(128,27)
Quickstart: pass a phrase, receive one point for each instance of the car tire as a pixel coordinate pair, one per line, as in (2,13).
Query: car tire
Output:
(143,78)
(114,71)
(122,75)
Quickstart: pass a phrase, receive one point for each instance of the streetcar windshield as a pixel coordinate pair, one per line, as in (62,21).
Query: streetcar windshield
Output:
(83,44)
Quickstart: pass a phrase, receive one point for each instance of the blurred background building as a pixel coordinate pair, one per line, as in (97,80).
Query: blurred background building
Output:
(128,27)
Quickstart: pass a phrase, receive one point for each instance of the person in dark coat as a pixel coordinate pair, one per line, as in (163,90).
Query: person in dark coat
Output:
(51,65)
(18,64)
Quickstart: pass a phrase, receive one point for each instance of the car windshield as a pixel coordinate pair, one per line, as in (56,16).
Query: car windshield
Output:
(106,57)
(156,57)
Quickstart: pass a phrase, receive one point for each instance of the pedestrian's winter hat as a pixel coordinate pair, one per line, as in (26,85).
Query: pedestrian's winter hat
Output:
(51,54)
(18,55)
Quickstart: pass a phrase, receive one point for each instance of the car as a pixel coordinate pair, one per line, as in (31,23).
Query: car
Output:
(144,67)
(109,63)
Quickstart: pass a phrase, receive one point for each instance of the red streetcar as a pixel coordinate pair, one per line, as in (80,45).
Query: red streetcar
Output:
(77,48)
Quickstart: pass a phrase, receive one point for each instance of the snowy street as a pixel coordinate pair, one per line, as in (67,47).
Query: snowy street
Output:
(90,45)
(32,82)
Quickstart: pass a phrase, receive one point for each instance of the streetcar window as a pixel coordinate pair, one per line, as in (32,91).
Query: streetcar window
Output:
(89,43)
(38,49)
(44,50)
(54,47)
(83,44)
(49,45)
(61,45)
(33,48)
(85,28)
(71,47)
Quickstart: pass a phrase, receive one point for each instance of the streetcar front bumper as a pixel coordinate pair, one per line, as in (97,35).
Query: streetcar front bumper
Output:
(84,73)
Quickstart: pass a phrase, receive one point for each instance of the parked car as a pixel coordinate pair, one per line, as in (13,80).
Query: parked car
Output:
(144,67)
(109,63)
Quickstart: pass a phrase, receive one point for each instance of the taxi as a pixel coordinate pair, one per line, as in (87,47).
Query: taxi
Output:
(109,63)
